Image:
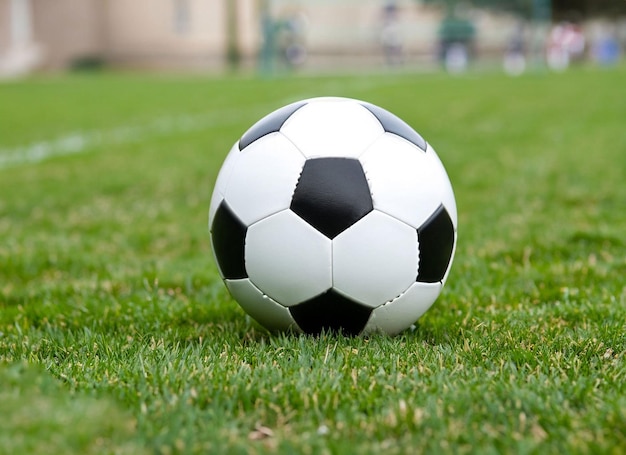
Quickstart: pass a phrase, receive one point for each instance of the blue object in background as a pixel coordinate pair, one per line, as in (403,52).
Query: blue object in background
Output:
(607,51)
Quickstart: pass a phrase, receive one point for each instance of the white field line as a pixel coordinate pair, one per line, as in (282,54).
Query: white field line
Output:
(84,141)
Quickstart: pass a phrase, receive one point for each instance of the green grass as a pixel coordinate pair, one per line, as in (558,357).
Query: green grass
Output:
(40,415)
(117,336)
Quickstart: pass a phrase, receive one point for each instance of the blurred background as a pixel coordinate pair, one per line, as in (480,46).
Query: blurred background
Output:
(275,36)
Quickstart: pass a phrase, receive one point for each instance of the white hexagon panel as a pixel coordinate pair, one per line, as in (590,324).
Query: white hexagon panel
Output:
(260,307)
(288,259)
(447,194)
(332,127)
(264,178)
(222,181)
(392,317)
(404,182)
(375,260)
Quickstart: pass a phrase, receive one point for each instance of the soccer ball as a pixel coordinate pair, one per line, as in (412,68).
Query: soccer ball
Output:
(333,214)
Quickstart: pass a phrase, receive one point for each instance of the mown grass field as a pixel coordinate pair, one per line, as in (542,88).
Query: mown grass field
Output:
(117,336)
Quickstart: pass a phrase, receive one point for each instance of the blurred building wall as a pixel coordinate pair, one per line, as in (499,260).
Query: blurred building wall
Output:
(67,29)
(203,34)
(4,26)
(176,33)
(19,54)
(165,32)
(137,33)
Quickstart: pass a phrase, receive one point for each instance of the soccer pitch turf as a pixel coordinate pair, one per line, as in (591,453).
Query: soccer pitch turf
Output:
(117,336)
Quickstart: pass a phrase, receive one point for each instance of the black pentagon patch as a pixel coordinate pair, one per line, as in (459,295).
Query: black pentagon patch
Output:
(332,194)
(436,241)
(228,235)
(269,124)
(331,312)
(393,124)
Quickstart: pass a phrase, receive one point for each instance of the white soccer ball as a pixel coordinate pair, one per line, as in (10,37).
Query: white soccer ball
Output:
(333,214)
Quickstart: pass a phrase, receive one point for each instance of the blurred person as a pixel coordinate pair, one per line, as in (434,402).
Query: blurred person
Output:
(566,43)
(605,49)
(456,41)
(515,54)
(291,34)
(457,58)
(391,35)
(268,42)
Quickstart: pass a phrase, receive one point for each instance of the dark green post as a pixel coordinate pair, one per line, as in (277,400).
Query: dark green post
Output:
(542,10)
(541,17)
(267,52)
(233,53)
